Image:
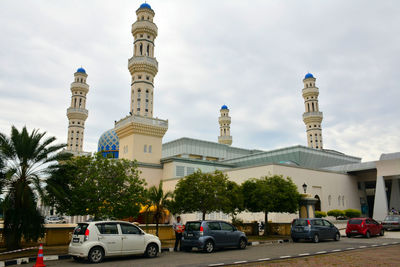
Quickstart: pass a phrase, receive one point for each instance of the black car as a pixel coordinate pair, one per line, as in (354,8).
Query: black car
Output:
(208,235)
(314,229)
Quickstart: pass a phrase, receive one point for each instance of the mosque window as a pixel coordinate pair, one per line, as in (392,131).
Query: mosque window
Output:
(150,148)
(147,78)
(148,36)
(145,149)
(148,18)
(342,200)
(316,147)
(148,51)
(329,200)
(180,171)
(141,52)
(338,200)
(138,109)
(142,19)
(146,110)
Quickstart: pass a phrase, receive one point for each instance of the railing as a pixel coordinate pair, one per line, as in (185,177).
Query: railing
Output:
(80,85)
(143,120)
(77,110)
(312,114)
(144,24)
(143,59)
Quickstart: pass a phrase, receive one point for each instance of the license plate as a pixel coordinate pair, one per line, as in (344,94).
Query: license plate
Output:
(190,235)
(354,231)
(75,240)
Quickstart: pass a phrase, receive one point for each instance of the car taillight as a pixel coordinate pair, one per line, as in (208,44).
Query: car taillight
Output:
(86,235)
(308,224)
(201,231)
(362,224)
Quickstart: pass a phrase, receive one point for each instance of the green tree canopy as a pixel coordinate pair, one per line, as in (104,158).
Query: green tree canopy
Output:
(204,192)
(270,194)
(102,187)
(235,201)
(25,158)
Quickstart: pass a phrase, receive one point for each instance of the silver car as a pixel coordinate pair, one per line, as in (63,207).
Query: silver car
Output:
(391,222)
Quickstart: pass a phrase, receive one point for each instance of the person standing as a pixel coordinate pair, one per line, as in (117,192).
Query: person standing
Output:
(178,229)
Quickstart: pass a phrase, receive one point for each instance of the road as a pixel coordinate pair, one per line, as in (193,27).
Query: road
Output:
(250,254)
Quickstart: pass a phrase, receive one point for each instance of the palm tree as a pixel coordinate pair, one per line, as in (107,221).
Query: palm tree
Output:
(157,199)
(26,158)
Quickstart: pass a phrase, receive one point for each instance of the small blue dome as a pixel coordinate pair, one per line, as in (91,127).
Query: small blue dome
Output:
(145,5)
(109,144)
(308,75)
(224,107)
(81,70)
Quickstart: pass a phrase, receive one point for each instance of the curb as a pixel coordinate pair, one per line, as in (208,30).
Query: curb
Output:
(26,260)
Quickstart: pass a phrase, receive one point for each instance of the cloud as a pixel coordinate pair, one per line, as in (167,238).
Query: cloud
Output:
(251,57)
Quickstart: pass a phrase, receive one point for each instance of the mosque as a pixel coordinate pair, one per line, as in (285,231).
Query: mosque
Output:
(337,180)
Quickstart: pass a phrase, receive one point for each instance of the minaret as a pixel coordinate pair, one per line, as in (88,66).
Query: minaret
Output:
(140,134)
(143,66)
(312,117)
(77,113)
(225,126)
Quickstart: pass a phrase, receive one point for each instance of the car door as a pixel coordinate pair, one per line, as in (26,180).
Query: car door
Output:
(376,227)
(215,231)
(231,238)
(319,228)
(330,229)
(110,237)
(132,239)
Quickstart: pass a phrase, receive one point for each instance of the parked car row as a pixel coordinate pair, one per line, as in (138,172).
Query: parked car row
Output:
(54,219)
(96,240)
(316,229)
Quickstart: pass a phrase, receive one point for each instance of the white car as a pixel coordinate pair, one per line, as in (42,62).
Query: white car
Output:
(54,219)
(96,240)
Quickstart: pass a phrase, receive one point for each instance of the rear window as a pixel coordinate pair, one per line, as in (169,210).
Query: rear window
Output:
(355,221)
(392,218)
(107,228)
(300,222)
(192,226)
(80,229)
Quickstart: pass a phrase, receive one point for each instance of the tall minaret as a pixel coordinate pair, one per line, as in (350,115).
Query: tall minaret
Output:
(143,66)
(225,126)
(139,133)
(77,113)
(312,117)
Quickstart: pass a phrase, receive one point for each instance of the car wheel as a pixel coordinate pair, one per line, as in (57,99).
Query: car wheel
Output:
(337,236)
(315,238)
(242,243)
(96,255)
(367,234)
(382,232)
(209,246)
(151,250)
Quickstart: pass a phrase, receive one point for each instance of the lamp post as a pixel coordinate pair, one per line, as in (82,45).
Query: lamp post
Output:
(305,187)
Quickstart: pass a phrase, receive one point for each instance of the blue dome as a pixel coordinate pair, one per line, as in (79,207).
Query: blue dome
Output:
(145,5)
(308,75)
(224,107)
(109,143)
(81,70)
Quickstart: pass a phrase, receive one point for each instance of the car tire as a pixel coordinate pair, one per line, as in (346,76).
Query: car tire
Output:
(187,249)
(382,232)
(295,240)
(337,236)
(96,255)
(315,238)
(242,243)
(367,234)
(348,235)
(151,250)
(209,246)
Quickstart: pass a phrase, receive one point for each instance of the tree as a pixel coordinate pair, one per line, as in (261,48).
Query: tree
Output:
(25,158)
(204,192)
(159,200)
(270,194)
(235,203)
(102,187)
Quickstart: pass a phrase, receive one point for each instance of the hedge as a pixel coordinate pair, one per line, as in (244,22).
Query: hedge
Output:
(320,214)
(336,213)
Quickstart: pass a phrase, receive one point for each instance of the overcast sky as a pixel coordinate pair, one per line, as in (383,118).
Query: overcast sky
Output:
(250,55)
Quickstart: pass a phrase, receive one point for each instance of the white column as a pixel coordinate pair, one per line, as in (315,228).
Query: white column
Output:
(381,202)
(395,195)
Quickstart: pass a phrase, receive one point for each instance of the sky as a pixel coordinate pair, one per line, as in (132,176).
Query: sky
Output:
(249,55)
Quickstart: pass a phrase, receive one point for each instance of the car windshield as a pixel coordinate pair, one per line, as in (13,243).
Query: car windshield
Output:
(355,221)
(392,218)
(192,226)
(80,229)
(300,222)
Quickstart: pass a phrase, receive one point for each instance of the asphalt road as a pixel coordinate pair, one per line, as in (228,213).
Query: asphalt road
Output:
(251,253)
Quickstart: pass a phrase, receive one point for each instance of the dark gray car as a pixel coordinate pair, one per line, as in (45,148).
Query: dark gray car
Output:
(208,235)
(313,229)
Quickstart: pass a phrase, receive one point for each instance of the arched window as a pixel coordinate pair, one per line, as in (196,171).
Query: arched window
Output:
(141,49)
(148,50)
(343,201)
(318,203)
(145,149)
(308,105)
(312,104)
(329,199)
(338,200)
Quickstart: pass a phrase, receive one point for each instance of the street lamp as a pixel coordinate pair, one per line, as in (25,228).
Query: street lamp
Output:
(305,187)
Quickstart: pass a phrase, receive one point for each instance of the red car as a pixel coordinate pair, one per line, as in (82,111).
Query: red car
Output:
(364,226)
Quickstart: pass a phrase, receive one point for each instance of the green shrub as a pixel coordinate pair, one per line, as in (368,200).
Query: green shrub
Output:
(336,213)
(352,213)
(320,214)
